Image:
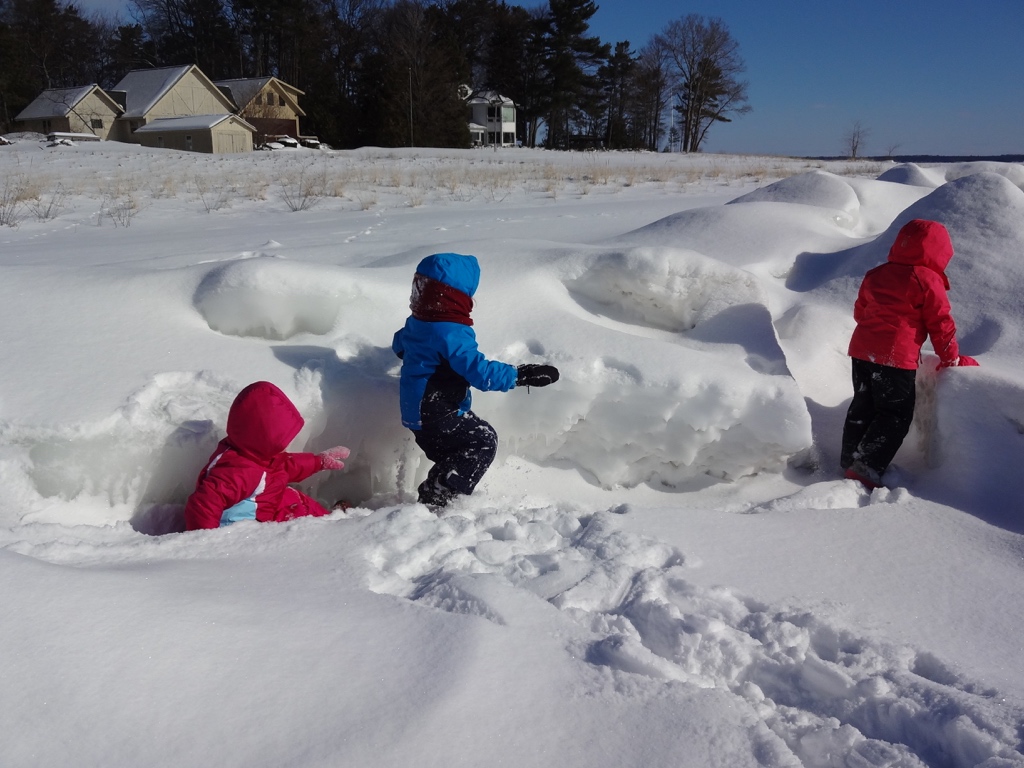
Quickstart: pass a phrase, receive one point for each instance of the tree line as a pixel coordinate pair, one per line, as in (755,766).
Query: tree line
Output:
(371,69)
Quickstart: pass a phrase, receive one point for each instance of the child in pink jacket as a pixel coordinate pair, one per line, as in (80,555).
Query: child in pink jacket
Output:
(247,476)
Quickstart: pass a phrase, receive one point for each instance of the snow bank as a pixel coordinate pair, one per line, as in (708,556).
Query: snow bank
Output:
(984,214)
(976,441)
(560,615)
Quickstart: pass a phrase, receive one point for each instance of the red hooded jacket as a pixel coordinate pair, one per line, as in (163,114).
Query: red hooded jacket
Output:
(247,476)
(903,302)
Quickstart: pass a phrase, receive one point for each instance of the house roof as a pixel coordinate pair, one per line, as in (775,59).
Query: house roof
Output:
(145,87)
(489,97)
(190,123)
(58,102)
(243,89)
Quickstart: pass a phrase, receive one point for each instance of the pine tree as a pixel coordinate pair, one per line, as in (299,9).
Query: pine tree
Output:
(573,58)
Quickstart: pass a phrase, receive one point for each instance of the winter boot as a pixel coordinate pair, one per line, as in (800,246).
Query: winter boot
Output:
(434,494)
(864,475)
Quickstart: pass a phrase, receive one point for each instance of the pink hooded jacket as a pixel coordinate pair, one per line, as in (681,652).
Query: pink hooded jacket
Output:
(247,476)
(903,302)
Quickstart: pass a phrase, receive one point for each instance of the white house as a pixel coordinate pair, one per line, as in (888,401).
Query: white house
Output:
(496,114)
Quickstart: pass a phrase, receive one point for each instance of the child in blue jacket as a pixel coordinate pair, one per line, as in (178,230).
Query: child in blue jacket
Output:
(440,362)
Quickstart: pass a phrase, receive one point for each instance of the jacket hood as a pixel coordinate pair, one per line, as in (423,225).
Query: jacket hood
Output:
(263,421)
(923,243)
(460,272)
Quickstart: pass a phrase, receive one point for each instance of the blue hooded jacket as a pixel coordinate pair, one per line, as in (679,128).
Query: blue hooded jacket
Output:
(440,359)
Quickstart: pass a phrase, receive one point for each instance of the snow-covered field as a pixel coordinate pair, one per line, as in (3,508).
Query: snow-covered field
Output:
(662,568)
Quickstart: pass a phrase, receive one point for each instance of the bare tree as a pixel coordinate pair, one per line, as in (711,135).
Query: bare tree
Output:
(706,64)
(855,138)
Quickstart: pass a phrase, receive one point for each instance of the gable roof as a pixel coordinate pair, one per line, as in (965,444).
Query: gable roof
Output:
(190,123)
(59,102)
(243,89)
(489,97)
(145,87)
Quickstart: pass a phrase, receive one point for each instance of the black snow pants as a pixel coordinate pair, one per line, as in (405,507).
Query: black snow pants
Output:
(462,448)
(880,415)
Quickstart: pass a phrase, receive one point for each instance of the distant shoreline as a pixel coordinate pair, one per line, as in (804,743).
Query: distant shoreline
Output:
(934,158)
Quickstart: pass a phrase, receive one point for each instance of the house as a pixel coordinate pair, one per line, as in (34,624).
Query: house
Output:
(268,104)
(476,134)
(87,109)
(150,94)
(497,115)
(172,107)
(217,134)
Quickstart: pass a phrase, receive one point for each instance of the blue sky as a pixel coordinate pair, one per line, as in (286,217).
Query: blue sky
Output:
(922,76)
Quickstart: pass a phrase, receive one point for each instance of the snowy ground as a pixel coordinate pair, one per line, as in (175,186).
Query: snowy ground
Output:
(663,567)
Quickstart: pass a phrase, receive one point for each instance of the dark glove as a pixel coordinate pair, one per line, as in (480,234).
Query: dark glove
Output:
(531,375)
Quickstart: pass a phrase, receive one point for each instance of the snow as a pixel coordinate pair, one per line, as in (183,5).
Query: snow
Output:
(663,567)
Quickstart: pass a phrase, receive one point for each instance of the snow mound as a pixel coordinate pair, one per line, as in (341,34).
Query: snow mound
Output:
(1013,172)
(984,214)
(813,693)
(913,175)
(267,297)
(819,188)
(765,234)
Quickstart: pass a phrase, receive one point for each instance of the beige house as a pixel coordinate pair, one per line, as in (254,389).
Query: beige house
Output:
(84,110)
(172,107)
(217,134)
(151,94)
(268,104)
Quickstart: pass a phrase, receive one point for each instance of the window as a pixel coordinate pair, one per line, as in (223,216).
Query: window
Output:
(97,122)
(258,99)
(280,100)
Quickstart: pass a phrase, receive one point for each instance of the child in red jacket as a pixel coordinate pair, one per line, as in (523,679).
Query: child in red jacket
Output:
(900,304)
(247,476)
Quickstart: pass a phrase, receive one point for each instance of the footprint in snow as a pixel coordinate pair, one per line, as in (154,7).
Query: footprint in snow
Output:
(829,696)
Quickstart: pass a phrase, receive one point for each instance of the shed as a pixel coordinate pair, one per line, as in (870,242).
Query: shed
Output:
(217,134)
